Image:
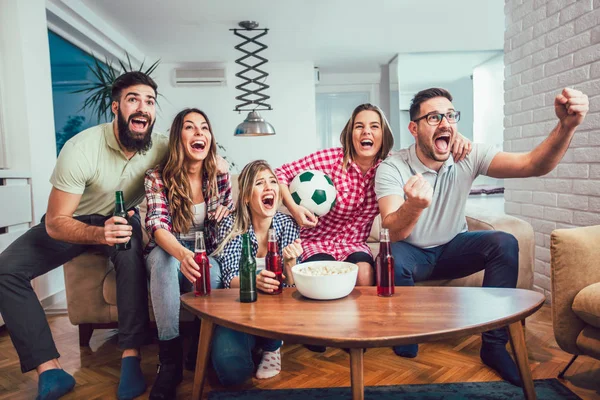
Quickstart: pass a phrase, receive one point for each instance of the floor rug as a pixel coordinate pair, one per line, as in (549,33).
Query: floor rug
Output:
(546,389)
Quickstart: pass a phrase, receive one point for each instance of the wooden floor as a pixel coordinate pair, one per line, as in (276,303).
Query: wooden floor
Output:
(96,369)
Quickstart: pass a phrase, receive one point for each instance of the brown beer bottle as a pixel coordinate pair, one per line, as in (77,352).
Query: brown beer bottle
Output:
(120,211)
(385,265)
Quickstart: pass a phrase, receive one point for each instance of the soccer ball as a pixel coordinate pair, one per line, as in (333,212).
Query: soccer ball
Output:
(314,191)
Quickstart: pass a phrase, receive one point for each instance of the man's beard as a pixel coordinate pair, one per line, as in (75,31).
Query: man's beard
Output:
(428,150)
(128,138)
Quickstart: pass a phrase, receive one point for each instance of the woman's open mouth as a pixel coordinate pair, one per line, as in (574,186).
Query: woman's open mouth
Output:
(198,145)
(442,142)
(366,144)
(268,201)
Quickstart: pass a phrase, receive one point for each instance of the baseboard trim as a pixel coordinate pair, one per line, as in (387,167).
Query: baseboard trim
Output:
(55,304)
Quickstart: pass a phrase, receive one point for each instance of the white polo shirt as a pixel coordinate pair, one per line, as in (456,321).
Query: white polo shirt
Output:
(445,217)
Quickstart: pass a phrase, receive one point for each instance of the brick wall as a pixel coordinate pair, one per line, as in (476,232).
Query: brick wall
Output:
(549,45)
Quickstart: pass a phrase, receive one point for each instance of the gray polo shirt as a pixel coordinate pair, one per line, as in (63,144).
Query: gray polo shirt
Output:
(93,165)
(445,217)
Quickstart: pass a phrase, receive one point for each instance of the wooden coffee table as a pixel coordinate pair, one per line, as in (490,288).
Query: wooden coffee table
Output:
(362,320)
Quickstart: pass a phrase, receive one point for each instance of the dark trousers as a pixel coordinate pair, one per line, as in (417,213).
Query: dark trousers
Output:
(36,253)
(359,256)
(495,252)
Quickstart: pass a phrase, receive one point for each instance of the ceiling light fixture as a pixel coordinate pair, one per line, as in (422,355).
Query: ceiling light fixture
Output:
(253,97)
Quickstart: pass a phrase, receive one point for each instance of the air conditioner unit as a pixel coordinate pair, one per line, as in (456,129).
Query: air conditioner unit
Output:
(185,77)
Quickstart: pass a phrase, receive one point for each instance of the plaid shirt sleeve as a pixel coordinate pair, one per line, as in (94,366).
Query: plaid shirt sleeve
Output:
(157,215)
(224,198)
(229,258)
(288,230)
(224,187)
(322,160)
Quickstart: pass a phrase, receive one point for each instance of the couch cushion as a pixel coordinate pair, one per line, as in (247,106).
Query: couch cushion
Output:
(588,341)
(587,304)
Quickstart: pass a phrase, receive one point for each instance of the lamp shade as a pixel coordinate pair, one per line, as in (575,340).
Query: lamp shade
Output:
(254,125)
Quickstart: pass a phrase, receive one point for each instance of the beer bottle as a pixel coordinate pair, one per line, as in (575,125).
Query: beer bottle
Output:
(385,265)
(273,260)
(202,284)
(247,272)
(120,211)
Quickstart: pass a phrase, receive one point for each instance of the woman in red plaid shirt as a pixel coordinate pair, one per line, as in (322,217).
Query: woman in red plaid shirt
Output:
(184,195)
(342,233)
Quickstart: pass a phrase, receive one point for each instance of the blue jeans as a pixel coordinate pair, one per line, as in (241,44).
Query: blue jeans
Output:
(493,251)
(166,285)
(231,354)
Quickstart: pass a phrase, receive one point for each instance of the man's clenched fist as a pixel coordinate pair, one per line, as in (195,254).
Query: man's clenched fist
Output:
(418,192)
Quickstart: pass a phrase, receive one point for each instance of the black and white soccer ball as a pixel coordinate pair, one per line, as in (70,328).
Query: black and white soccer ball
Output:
(315,191)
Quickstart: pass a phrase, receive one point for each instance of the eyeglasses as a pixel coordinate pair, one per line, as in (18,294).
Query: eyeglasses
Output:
(435,119)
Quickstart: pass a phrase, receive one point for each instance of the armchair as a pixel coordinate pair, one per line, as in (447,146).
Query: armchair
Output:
(576,291)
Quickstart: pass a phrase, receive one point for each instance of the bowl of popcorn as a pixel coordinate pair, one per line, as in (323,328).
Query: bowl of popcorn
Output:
(325,280)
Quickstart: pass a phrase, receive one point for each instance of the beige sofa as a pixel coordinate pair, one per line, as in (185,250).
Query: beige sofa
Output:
(91,286)
(576,290)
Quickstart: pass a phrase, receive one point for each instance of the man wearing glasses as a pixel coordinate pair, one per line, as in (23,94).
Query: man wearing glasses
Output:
(422,195)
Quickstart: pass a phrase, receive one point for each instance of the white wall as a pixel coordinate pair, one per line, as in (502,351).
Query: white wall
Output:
(488,101)
(292,94)
(27,108)
(462,95)
(549,46)
(450,70)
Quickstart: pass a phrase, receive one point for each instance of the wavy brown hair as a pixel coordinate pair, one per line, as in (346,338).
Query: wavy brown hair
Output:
(387,141)
(242,213)
(175,177)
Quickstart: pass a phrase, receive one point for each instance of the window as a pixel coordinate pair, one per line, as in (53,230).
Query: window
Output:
(333,112)
(69,66)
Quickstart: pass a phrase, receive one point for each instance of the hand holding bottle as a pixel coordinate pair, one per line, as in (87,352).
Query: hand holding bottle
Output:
(189,268)
(117,230)
(266,281)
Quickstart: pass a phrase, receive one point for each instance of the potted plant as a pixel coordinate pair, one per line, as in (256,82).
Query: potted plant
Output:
(99,91)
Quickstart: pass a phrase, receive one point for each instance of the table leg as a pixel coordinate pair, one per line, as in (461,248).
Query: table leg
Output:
(206,331)
(517,342)
(356,374)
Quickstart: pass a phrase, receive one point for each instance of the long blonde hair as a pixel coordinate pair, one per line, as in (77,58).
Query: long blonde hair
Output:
(179,192)
(242,213)
(387,142)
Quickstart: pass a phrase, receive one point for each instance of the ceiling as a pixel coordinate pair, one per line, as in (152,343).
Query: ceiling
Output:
(337,35)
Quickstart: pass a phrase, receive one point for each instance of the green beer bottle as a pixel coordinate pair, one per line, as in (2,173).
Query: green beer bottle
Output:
(120,211)
(247,272)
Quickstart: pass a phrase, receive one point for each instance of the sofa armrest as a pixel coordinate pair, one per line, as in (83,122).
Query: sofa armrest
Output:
(481,219)
(84,283)
(574,265)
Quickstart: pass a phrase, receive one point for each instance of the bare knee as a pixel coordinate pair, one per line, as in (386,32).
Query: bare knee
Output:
(365,277)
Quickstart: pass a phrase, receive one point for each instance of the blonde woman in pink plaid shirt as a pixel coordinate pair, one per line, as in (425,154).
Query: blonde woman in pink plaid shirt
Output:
(342,233)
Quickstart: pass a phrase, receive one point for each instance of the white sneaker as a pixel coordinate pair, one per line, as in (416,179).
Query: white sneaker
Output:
(270,365)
